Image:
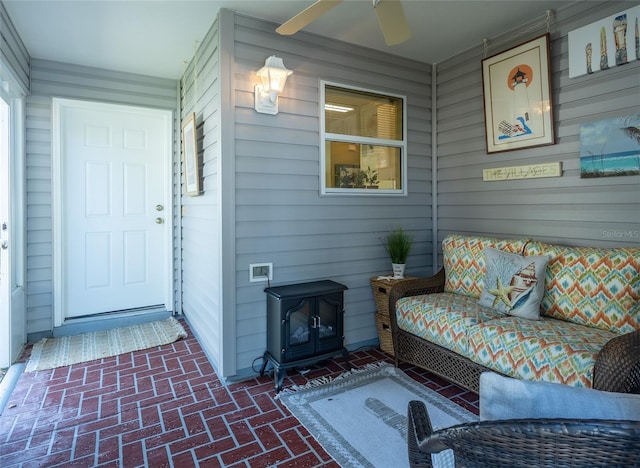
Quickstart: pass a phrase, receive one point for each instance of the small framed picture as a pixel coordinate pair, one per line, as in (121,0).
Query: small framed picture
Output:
(190,156)
(518,107)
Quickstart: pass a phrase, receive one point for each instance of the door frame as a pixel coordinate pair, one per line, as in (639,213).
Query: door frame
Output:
(6,357)
(13,323)
(58,104)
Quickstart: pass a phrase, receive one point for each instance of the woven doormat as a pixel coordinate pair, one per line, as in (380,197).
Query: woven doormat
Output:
(50,353)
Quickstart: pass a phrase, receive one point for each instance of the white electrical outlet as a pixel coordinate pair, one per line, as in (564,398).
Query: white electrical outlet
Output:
(260,272)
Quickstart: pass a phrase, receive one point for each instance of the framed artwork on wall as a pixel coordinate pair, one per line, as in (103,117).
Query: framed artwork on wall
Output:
(608,43)
(190,156)
(610,147)
(346,175)
(518,107)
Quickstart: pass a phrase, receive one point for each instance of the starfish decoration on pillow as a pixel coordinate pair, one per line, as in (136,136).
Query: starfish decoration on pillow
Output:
(501,293)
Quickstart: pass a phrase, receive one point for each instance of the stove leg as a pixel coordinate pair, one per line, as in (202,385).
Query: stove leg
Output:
(279,374)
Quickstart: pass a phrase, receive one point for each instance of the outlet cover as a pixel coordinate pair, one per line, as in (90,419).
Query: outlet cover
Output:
(260,272)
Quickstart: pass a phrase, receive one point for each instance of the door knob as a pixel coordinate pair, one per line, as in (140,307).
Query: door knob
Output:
(159,220)
(159,207)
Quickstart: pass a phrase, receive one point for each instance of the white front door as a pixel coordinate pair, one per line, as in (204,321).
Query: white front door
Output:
(115,200)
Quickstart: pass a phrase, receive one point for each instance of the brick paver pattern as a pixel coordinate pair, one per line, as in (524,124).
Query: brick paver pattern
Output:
(165,406)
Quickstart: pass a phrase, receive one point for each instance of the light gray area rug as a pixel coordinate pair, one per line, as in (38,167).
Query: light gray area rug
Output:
(50,353)
(360,418)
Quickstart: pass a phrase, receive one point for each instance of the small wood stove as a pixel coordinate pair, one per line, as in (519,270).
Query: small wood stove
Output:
(305,324)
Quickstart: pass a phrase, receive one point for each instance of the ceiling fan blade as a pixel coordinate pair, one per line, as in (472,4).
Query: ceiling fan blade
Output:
(393,22)
(306,16)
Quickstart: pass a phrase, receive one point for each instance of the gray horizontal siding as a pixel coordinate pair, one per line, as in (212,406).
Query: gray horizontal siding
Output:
(266,200)
(280,215)
(13,53)
(58,79)
(202,283)
(53,79)
(266,170)
(567,210)
(39,277)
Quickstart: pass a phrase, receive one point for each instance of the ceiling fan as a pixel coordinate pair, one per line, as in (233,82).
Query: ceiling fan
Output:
(391,18)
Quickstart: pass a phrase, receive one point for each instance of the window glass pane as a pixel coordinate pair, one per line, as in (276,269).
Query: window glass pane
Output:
(352,165)
(359,113)
(364,144)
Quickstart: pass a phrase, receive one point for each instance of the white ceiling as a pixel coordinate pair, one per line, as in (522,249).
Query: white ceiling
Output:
(157,37)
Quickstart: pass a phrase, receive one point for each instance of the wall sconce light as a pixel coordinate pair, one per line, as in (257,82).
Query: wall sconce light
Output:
(273,77)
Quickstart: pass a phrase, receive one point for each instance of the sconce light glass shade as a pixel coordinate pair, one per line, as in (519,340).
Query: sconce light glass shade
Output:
(273,77)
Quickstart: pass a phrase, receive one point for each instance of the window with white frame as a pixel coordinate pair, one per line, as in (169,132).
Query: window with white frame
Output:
(364,145)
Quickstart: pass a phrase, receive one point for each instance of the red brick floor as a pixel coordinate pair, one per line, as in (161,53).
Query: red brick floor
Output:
(166,407)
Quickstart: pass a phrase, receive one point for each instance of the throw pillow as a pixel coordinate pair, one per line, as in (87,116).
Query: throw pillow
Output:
(506,398)
(513,284)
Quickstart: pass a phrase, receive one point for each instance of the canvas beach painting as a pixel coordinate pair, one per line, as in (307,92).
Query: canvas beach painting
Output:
(610,147)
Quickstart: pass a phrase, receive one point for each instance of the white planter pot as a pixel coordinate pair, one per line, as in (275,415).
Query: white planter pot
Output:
(398,270)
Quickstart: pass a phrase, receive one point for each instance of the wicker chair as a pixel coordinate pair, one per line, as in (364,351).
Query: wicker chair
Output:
(525,442)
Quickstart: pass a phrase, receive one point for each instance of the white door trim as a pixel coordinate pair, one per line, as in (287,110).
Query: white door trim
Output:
(57,188)
(13,313)
(5,237)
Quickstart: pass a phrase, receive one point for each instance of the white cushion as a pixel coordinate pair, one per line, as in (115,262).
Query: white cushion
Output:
(514,284)
(506,398)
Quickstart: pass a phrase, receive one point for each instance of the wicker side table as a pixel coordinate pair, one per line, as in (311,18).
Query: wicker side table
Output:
(381,289)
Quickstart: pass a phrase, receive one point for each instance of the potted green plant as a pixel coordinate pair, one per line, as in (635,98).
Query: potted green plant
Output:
(398,245)
(359,179)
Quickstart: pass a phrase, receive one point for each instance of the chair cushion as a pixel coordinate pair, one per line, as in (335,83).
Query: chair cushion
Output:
(442,318)
(547,349)
(598,287)
(464,261)
(506,398)
(514,284)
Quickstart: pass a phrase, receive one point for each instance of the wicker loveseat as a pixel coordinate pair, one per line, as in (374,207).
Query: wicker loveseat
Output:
(587,333)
